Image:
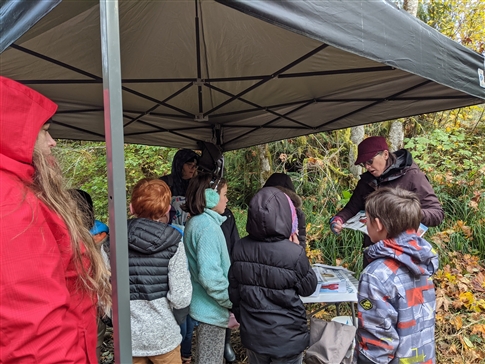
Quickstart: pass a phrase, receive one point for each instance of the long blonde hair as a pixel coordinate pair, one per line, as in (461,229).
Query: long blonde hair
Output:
(48,184)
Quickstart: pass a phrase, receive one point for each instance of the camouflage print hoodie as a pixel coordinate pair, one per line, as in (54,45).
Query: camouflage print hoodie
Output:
(397,302)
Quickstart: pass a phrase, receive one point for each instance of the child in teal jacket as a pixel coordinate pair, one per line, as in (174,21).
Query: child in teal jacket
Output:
(208,264)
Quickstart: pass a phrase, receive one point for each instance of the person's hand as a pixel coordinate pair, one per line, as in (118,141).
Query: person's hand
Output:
(233,324)
(336,223)
(294,238)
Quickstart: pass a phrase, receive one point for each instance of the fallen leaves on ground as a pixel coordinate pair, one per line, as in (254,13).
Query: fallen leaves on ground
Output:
(460,315)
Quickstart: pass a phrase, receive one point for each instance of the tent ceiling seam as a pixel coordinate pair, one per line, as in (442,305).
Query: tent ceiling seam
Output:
(262,108)
(275,74)
(262,126)
(374,103)
(153,108)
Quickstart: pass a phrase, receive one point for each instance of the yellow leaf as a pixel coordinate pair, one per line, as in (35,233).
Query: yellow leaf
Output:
(457,322)
(467,297)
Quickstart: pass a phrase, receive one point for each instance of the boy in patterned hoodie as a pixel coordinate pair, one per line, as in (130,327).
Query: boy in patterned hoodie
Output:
(396,292)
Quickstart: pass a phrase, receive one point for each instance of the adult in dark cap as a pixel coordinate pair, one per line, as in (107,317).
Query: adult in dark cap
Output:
(284,183)
(386,169)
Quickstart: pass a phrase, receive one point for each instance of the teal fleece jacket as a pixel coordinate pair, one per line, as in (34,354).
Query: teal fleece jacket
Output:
(209,264)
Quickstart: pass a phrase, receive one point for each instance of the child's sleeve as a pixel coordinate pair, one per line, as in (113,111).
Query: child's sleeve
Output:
(377,336)
(211,275)
(306,278)
(234,295)
(180,287)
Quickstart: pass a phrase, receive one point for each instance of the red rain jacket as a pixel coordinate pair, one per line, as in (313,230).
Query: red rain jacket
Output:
(44,317)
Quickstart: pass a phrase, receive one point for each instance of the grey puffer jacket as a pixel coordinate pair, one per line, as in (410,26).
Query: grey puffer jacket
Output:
(404,173)
(268,275)
(160,288)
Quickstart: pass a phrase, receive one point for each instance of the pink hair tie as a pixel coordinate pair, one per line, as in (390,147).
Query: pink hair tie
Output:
(294,218)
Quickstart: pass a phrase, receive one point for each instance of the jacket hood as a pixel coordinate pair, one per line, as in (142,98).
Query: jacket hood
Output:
(399,161)
(23,111)
(269,215)
(179,187)
(408,249)
(281,180)
(148,237)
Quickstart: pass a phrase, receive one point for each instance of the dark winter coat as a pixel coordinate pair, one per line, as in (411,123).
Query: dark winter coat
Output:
(229,229)
(267,276)
(403,173)
(284,182)
(151,245)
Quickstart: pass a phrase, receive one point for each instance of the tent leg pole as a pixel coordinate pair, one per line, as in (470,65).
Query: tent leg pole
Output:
(113,121)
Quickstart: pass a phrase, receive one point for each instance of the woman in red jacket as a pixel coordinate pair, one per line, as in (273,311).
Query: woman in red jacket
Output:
(51,274)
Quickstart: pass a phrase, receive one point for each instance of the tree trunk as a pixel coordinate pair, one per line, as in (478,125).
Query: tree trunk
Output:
(265,170)
(411,6)
(396,133)
(356,136)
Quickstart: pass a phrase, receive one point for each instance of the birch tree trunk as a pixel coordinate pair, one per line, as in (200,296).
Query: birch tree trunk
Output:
(356,136)
(411,6)
(396,133)
(265,170)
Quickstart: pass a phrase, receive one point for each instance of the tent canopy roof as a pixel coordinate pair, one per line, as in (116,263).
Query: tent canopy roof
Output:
(241,73)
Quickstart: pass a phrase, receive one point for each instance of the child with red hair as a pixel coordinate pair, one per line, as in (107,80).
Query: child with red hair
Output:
(160,288)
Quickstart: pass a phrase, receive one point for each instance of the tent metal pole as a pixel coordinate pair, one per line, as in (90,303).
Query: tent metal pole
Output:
(199,67)
(113,121)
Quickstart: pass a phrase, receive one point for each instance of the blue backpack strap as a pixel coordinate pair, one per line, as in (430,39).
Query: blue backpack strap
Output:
(178,229)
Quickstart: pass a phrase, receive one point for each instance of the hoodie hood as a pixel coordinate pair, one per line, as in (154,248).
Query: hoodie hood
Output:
(23,111)
(269,215)
(179,187)
(148,237)
(408,249)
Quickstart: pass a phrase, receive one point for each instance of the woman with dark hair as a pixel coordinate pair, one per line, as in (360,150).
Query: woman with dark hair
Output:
(209,263)
(184,167)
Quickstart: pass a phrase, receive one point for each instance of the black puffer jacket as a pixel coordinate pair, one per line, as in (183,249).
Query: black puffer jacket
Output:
(151,245)
(266,278)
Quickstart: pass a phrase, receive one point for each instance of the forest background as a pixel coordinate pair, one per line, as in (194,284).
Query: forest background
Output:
(448,147)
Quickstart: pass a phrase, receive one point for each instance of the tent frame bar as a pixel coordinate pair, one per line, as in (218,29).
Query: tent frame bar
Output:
(115,156)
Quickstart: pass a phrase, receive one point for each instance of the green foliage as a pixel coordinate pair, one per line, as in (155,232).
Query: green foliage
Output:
(461,20)
(84,165)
